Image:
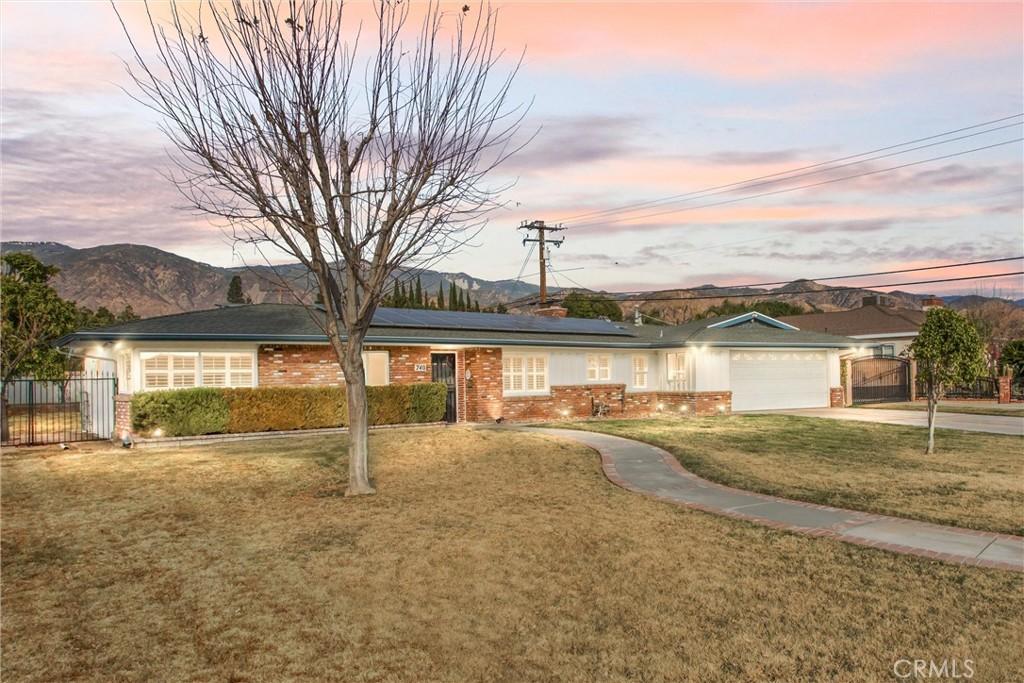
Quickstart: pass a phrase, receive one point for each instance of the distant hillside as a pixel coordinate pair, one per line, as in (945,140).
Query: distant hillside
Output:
(157,282)
(680,305)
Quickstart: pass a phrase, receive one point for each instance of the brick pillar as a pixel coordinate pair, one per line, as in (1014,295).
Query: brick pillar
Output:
(122,415)
(836,397)
(1004,389)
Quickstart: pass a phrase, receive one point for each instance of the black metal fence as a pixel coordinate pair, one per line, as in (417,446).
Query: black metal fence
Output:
(981,388)
(880,378)
(79,407)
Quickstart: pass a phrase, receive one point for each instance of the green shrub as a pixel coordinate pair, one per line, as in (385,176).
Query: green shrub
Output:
(183,412)
(188,412)
(427,402)
(273,409)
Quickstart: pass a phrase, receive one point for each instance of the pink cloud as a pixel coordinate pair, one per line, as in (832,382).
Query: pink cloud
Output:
(760,40)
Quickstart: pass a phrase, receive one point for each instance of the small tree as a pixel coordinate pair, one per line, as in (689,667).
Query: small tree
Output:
(440,296)
(948,352)
(235,294)
(356,160)
(1012,358)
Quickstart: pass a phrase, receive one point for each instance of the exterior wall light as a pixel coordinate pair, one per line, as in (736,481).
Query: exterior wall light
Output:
(661,406)
(158,432)
(683,408)
(721,408)
(564,412)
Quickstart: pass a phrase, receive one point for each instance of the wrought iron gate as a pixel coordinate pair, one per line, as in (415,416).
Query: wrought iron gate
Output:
(880,378)
(79,407)
(443,370)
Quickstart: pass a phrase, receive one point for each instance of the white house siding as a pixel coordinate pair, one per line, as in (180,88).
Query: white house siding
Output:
(711,368)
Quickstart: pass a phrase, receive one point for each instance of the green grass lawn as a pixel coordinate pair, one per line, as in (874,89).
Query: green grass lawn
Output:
(487,555)
(975,480)
(964,408)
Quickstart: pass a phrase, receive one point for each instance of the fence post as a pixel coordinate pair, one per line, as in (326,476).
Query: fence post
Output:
(1004,389)
(32,411)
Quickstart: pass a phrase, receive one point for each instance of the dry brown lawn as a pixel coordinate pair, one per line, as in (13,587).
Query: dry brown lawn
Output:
(488,555)
(974,480)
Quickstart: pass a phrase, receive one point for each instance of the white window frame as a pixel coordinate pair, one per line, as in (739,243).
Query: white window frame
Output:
(198,370)
(599,367)
(641,371)
(229,382)
(677,378)
(526,371)
(387,366)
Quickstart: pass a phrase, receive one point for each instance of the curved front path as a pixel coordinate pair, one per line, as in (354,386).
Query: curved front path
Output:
(655,472)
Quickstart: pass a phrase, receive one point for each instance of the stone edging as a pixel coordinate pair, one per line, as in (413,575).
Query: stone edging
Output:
(611,472)
(208,439)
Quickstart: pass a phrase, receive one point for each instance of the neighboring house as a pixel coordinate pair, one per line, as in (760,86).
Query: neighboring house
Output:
(497,366)
(888,329)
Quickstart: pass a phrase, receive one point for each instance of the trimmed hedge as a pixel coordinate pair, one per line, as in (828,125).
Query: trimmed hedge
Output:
(189,412)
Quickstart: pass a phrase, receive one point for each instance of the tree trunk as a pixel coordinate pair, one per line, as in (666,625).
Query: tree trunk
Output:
(933,407)
(358,424)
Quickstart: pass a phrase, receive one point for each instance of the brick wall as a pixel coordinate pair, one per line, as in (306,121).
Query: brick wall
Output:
(578,401)
(483,390)
(480,398)
(315,364)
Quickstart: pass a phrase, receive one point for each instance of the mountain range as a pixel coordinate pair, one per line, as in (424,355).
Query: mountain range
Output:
(157,282)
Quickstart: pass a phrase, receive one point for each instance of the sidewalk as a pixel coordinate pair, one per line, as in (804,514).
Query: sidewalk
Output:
(649,470)
(992,424)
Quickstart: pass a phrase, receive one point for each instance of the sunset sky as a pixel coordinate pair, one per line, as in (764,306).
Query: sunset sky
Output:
(633,102)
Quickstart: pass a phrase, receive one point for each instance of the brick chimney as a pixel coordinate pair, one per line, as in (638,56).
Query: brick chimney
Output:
(932,302)
(552,312)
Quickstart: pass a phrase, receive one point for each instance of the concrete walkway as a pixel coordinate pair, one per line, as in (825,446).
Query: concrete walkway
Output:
(993,424)
(651,471)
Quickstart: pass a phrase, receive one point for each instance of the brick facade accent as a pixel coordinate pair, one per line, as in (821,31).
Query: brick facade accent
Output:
(836,397)
(480,398)
(578,400)
(284,365)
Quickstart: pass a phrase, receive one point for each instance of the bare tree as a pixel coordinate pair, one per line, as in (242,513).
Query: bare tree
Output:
(273,135)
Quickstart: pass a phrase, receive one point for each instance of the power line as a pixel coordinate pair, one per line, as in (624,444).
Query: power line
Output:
(631,297)
(802,168)
(856,275)
(802,187)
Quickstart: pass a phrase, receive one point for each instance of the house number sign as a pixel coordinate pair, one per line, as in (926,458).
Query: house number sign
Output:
(421,367)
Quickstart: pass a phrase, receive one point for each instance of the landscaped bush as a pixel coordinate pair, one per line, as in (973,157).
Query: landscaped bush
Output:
(180,413)
(189,412)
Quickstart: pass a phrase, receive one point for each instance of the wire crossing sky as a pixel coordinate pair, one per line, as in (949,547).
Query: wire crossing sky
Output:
(655,127)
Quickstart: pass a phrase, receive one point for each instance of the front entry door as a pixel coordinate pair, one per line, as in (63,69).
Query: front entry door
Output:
(442,369)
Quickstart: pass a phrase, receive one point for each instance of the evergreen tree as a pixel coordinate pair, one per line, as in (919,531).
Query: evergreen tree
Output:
(419,293)
(500,308)
(440,296)
(476,306)
(235,295)
(452,303)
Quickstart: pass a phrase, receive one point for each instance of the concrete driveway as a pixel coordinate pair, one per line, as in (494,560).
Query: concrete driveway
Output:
(993,424)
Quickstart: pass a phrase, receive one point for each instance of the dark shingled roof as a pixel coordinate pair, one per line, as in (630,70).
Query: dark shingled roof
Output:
(267,323)
(864,320)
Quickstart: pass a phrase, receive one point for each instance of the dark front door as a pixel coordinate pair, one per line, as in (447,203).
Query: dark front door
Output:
(442,369)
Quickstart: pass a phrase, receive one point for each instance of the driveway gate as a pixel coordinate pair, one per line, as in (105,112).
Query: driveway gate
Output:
(79,407)
(880,378)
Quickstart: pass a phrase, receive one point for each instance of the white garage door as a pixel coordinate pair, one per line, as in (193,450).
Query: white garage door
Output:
(766,380)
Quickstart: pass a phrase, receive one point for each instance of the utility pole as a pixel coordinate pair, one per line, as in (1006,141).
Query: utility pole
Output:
(542,241)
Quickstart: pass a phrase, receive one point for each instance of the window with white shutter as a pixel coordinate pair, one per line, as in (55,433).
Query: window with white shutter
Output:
(599,367)
(524,374)
(640,372)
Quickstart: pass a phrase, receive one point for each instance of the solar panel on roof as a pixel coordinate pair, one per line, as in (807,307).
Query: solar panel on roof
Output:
(493,322)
